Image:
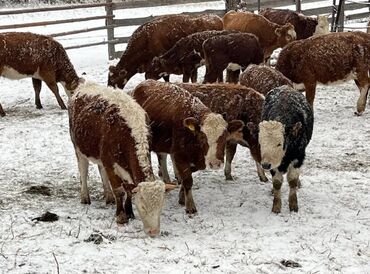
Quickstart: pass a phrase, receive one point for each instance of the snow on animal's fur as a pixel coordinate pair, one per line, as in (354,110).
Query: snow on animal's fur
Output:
(130,111)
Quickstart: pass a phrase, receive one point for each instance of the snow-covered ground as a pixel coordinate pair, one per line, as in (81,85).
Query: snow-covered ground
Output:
(234,230)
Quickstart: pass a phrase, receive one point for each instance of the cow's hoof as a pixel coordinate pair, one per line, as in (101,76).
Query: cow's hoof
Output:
(191,211)
(121,218)
(276,206)
(293,203)
(229,177)
(359,113)
(109,200)
(130,215)
(85,200)
(263,179)
(39,106)
(2,114)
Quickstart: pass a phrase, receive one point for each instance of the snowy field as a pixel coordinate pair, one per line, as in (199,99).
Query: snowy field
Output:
(234,230)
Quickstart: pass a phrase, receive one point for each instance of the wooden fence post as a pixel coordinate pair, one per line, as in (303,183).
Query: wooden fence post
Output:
(110,30)
(340,16)
(298,5)
(232,4)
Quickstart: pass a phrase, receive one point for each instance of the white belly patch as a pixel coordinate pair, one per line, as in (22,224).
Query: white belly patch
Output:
(10,73)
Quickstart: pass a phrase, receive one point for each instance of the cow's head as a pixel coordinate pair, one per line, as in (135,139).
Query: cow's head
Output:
(149,200)
(274,138)
(71,86)
(285,34)
(155,70)
(211,135)
(118,78)
(322,26)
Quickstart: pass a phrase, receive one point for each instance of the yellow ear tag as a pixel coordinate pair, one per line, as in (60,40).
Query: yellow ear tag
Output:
(191,127)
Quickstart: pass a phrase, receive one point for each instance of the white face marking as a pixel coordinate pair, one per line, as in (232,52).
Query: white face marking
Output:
(133,114)
(292,33)
(149,201)
(233,67)
(213,127)
(12,74)
(322,26)
(271,139)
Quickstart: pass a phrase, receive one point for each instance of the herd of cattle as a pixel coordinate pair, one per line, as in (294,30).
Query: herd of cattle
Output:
(196,124)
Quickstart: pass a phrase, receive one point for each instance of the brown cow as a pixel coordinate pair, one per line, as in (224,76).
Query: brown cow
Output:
(237,102)
(155,38)
(234,51)
(109,128)
(184,57)
(25,54)
(326,59)
(304,26)
(185,128)
(271,36)
(263,78)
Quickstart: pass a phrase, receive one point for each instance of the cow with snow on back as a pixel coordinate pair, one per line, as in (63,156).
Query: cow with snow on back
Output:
(284,133)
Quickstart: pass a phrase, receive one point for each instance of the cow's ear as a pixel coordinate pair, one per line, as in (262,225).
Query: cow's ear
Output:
(235,125)
(296,128)
(252,127)
(191,123)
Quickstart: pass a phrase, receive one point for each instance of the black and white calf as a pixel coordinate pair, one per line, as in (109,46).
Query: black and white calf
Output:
(284,133)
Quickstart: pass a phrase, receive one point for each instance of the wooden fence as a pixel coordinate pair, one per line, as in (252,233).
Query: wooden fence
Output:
(350,10)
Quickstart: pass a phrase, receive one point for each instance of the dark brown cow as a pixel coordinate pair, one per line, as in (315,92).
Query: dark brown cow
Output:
(304,26)
(184,57)
(109,128)
(185,128)
(326,59)
(263,78)
(234,51)
(25,54)
(237,102)
(271,36)
(155,38)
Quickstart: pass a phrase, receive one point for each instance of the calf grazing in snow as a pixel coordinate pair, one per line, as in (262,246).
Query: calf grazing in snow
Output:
(284,133)
(109,128)
(271,36)
(237,103)
(155,38)
(184,57)
(326,59)
(25,54)
(304,26)
(236,50)
(263,78)
(185,128)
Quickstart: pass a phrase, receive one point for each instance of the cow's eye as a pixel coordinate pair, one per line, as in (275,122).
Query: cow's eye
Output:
(279,145)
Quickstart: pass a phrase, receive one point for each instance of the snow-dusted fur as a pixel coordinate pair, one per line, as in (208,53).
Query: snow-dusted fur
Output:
(130,111)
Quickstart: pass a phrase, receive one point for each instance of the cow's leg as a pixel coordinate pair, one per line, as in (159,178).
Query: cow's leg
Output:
(108,194)
(261,172)
(363,85)
(194,75)
(37,87)
(162,165)
(83,167)
(119,194)
(293,179)
(52,84)
(232,76)
(310,88)
(277,181)
(175,170)
(230,153)
(186,185)
(128,207)
(2,112)
(185,77)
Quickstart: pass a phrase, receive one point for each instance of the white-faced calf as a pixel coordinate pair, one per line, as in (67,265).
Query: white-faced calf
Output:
(25,54)
(284,133)
(109,128)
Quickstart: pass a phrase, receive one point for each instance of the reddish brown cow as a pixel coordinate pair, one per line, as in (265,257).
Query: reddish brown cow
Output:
(271,36)
(25,54)
(326,59)
(185,128)
(237,102)
(184,57)
(235,51)
(263,78)
(155,38)
(109,128)
(304,26)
